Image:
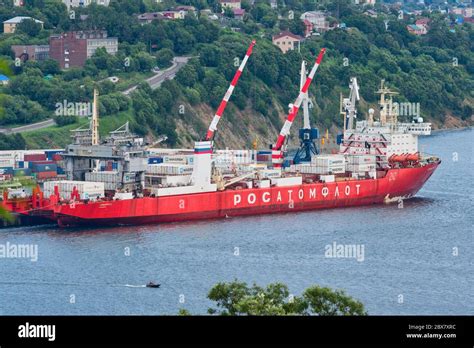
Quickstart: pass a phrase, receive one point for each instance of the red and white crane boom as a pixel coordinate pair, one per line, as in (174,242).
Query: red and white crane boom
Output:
(277,154)
(223,104)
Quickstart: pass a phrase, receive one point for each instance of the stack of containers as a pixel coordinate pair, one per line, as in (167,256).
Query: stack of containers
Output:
(87,190)
(41,168)
(264,156)
(169,169)
(178,159)
(361,163)
(110,179)
(329,164)
(323,164)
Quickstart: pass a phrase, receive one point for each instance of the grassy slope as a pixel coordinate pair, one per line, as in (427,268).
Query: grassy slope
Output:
(55,136)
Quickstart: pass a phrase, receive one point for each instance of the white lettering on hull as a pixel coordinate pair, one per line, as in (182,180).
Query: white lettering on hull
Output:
(312,194)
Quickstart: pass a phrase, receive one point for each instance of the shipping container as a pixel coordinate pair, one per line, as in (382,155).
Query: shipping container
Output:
(328,160)
(169,169)
(51,153)
(35,157)
(111,179)
(361,159)
(155,160)
(289,181)
(6,170)
(57,157)
(43,167)
(21,171)
(86,190)
(46,175)
(327,178)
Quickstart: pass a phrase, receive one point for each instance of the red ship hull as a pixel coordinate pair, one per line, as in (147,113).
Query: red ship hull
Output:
(397,183)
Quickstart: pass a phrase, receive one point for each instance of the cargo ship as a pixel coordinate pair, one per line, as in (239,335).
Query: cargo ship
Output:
(122,181)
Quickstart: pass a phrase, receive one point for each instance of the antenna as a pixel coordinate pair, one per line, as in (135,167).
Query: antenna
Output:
(95,119)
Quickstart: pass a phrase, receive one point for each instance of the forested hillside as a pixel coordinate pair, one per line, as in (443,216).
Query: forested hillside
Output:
(435,70)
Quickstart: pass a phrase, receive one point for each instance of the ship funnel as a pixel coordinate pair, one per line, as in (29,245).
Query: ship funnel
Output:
(202,168)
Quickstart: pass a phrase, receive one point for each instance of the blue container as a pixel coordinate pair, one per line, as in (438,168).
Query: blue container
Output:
(40,167)
(114,165)
(339,138)
(264,152)
(60,171)
(21,164)
(6,170)
(50,154)
(155,160)
(21,171)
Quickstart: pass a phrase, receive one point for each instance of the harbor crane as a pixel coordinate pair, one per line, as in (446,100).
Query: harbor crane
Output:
(230,90)
(277,152)
(307,134)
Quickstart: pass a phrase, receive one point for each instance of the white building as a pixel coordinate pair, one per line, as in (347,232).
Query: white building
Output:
(317,19)
(84,3)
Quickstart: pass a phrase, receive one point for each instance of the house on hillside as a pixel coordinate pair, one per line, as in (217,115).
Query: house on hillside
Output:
(9,26)
(287,41)
(417,29)
(149,17)
(317,19)
(4,80)
(84,3)
(239,13)
(308,28)
(230,3)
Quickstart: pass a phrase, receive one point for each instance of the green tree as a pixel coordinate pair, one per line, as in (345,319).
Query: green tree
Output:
(237,298)
(164,57)
(30,27)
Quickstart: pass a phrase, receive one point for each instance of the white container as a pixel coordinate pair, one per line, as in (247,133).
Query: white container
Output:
(169,169)
(86,189)
(361,159)
(361,167)
(264,184)
(123,195)
(288,181)
(269,173)
(328,160)
(327,178)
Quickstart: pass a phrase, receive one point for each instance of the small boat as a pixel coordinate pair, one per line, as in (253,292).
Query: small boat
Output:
(152,285)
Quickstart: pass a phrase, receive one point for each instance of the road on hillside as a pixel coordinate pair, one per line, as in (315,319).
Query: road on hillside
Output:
(155,81)
(168,74)
(29,127)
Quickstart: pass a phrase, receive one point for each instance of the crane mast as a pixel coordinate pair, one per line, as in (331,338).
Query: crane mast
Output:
(277,153)
(349,104)
(307,134)
(230,90)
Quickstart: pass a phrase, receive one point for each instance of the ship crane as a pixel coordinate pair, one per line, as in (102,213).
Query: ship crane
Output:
(230,90)
(277,153)
(349,104)
(307,134)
